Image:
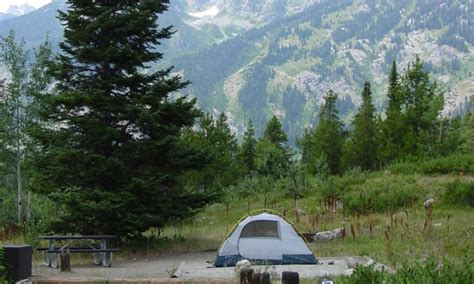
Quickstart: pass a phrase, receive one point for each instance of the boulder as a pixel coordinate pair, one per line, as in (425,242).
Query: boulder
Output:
(325,236)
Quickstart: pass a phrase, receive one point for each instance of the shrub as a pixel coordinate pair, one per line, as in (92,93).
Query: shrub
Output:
(381,196)
(336,186)
(428,271)
(8,205)
(459,193)
(442,165)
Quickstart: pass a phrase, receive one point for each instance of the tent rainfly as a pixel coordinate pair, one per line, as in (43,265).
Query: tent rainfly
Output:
(264,239)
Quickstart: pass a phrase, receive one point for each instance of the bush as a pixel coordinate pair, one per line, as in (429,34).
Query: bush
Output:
(443,165)
(381,196)
(459,193)
(336,186)
(8,205)
(428,271)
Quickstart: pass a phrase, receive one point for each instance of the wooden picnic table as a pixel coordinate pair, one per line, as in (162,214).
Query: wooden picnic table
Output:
(102,254)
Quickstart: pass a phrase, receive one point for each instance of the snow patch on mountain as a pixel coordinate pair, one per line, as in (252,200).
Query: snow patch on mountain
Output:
(20,10)
(211,12)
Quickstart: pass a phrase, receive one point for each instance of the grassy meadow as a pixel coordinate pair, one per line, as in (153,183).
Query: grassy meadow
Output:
(393,230)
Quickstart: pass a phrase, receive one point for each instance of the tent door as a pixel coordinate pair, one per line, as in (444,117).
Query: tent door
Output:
(261,248)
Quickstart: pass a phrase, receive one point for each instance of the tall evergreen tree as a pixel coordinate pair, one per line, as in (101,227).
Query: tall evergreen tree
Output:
(112,148)
(421,106)
(248,148)
(274,132)
(218,138)
(272,151)
(362,145)
(391,129)
(324,144)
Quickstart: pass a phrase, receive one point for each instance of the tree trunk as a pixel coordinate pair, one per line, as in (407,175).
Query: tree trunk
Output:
(18,167)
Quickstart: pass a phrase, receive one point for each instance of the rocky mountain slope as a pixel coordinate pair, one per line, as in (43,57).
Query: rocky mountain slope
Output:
(285,67)
(253,59)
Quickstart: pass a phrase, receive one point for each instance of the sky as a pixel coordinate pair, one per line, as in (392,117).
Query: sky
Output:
(4,4)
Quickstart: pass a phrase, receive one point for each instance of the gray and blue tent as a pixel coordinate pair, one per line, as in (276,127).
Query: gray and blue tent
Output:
(264,239)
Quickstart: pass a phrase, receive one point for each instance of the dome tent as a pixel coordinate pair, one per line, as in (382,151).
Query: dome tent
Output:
(264,239)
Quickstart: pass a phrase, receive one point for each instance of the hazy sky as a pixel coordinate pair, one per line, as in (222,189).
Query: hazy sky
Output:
(4,4)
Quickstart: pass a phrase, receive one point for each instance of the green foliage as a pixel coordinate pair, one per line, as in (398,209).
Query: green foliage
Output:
(217,140)
(248,149)
(326,140)
(421,105)
(426,271)
(361,147)
(467,133)
(339,186)
(413,124)
(115,156)
(392,127)
(8,205)
(275,133)
(459,193)
(13,118)
(271,160)
(381,196)
(442,165)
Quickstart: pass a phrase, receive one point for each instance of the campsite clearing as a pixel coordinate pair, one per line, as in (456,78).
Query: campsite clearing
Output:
(189,266)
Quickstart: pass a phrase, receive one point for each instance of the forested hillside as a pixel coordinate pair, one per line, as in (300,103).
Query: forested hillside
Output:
(285,66)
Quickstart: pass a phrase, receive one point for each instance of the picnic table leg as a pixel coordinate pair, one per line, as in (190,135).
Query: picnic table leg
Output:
(52,257)
(102,258)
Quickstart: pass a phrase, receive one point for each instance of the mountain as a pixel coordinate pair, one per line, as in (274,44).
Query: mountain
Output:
(253,59)
(4,16)
(36,25)
(20,10)
(286,66)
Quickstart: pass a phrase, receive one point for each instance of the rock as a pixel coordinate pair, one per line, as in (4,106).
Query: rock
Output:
(241,264)
(339,233)
(325,236)
(370,262)
(351,263)
(383,267)
(428,203)
(300,212)
(331,262)
(349,271)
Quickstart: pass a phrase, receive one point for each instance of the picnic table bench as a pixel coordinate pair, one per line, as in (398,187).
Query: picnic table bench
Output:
(102,254)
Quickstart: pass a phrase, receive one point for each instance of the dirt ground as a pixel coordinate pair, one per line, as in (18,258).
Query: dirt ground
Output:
(187,266)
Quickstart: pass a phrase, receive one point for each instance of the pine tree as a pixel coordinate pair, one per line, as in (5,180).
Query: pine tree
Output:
(272,152)
(323,145)
(391,132)
(422,105)
(112,147)
(362,145)
(274,132)
(221,142)
(248,148)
